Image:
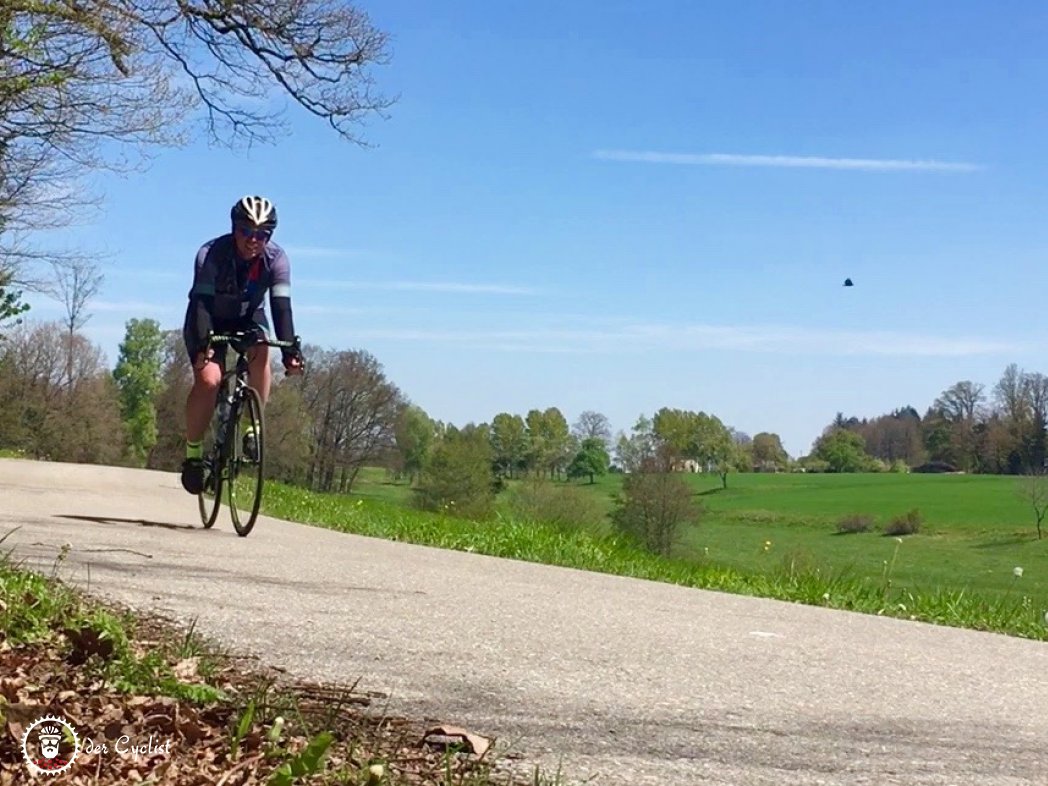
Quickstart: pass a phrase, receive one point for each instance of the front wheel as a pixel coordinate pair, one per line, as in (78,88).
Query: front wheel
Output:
(246,463)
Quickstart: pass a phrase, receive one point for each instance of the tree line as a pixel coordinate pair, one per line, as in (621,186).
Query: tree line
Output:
(58,400)
(968,428)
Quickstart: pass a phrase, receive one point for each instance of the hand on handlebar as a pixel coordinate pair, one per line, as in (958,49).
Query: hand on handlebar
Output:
(293,366)
(203,358)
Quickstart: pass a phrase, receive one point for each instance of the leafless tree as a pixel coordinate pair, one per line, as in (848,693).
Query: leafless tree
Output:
(170,402)
(963,405)
(1011,394)
(961,402)
(49,418)
(592,424)
(354,415)
(1033,490)
(75,283)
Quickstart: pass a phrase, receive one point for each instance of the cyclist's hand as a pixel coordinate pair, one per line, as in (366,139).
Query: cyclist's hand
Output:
(203,358)
(293,365)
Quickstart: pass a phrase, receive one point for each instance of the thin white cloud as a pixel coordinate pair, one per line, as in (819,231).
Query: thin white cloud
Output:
(808,162)
(421,286)
(740,338)
(799,340)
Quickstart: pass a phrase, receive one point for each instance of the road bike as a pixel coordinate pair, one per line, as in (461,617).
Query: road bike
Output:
(234,447)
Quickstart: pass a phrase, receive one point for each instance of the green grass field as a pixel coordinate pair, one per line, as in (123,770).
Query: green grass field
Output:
(771,535)
(976,530)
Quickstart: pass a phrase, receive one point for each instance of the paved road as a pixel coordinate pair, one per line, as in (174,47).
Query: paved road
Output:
(626,681)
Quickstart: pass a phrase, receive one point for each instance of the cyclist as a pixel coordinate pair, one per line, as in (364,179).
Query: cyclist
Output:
(232,275)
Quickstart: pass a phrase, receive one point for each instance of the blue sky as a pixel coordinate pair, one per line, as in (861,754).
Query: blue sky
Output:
(623,206)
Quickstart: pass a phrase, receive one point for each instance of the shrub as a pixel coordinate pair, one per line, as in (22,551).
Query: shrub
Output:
(652,508)
(816,465)
(458,478)
(935,466)
(857,522)
(907,524)
(564,506)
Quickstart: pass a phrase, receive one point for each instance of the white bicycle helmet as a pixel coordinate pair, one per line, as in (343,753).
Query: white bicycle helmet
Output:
(255,210)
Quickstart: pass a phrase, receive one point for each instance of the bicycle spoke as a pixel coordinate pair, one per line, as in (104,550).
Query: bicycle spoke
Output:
(247,463)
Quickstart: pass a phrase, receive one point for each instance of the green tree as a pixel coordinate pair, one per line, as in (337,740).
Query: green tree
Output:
(715,446)
(768,452)
(414,435)
(458,478)
(11,306)
(558,440)
(678,431)
(843,450)
(642,450)
(137,375)
(509,443)
(697,436)
(592,460)
(549,438)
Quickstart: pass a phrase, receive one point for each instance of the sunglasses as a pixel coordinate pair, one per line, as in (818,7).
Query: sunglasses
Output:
(254,234)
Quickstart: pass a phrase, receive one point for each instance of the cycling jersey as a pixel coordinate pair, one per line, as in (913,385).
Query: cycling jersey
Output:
(228,292)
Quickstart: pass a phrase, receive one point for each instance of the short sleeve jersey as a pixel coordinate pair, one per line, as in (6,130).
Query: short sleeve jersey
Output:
(239,286)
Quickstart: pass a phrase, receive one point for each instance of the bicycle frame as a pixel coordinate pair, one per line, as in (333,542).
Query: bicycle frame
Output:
(234,395)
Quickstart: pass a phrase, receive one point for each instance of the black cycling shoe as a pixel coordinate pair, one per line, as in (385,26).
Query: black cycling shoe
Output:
(193,475)
(251,447)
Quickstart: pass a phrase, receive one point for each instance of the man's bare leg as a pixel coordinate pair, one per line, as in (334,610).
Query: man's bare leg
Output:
(200,405)
(259,374)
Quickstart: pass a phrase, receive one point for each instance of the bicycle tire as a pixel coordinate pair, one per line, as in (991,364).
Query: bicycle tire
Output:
(248,409)
(216,454)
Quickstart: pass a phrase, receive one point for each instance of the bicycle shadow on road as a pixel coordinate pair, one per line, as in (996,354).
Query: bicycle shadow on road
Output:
(118,520)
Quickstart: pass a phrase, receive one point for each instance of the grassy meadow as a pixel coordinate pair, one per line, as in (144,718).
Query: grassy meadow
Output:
(769,535)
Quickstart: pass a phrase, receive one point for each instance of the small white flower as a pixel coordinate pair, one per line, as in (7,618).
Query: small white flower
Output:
(825,596)
(1017,572)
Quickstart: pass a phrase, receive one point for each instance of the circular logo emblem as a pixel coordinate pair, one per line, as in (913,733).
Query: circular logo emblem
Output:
(50,745)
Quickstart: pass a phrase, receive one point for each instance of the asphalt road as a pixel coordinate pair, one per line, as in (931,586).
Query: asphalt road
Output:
(618,680)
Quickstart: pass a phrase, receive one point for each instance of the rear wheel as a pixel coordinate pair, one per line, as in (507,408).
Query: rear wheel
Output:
(246,465)
(210,499)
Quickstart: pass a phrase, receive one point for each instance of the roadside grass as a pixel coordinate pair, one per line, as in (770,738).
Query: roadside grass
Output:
(112,672)
(887,581)
(975,529)
(39,610)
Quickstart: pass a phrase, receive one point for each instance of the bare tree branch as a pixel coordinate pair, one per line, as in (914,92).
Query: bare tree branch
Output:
(97,84)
